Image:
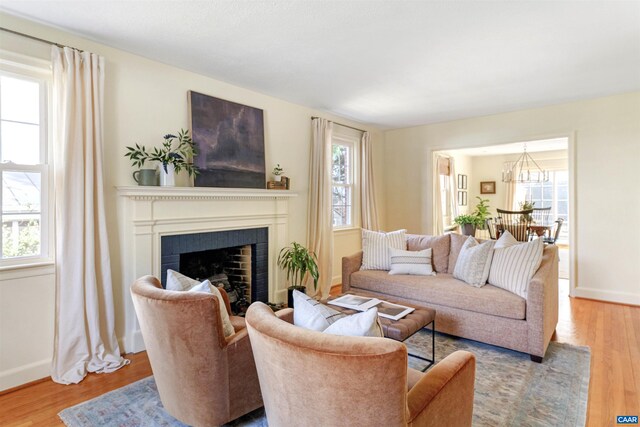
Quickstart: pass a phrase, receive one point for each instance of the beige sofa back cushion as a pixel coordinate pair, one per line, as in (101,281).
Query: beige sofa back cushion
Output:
(439,247)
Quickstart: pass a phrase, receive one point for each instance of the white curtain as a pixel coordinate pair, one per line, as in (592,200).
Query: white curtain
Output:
(320,224)
(368,206)
(84,338)
(444,166)
(510,201)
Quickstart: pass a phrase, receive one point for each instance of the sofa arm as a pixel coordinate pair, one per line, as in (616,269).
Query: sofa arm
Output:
(444,395)
(542,303)
(350,264)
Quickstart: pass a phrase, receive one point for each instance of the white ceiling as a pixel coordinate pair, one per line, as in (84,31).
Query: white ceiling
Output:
(516,147)
(391,63)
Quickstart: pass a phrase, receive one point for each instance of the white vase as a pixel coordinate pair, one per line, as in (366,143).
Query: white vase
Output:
(277,178)
(168,176)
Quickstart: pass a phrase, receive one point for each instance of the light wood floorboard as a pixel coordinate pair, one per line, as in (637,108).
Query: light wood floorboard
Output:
(612,331)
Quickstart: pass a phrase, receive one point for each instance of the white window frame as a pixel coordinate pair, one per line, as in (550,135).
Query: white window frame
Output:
(352,143)
(37,70)
(566,226)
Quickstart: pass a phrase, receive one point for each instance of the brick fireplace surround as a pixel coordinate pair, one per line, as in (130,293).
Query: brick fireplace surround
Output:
(147,214)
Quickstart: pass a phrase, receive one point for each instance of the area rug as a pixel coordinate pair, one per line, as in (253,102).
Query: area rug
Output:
(510,390)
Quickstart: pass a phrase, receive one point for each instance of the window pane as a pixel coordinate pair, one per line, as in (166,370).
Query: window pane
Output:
(20,235)
(20,143)
(563,209)
(20,193)
(536,193)
(340,172)
(563,193)
(20,100)
(339,196)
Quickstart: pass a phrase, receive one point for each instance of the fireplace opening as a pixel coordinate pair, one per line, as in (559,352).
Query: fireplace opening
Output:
(229,268)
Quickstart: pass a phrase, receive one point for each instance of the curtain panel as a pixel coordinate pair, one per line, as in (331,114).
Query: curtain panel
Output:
(368,205)
(84,331)
(320,221)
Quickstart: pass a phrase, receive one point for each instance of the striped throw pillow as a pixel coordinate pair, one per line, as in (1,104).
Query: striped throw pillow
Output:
(514,265)
(411,262)
(310,314)
(375,248)
(474,262)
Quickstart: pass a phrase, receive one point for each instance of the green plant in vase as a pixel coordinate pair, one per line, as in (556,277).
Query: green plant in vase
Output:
(482,211)
(525,206)
(468,224)
(299,263)
(177,151)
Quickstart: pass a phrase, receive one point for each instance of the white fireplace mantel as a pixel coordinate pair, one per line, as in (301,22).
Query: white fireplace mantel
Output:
(148,213)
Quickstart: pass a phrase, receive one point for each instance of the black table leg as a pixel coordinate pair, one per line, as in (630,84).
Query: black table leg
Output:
(433,347)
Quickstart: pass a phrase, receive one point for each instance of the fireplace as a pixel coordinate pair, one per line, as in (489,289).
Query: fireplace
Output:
(234,259)
(158,224)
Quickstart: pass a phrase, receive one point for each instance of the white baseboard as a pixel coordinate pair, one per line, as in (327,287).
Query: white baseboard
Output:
(25,374)
(608,296)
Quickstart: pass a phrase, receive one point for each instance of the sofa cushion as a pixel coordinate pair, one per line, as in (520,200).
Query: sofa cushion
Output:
(410,262)
(474,262)
(439,246)
(442,290)
(457,241)
(375,248)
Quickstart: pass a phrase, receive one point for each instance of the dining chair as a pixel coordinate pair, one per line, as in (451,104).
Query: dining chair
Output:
(515,222)
(556,233)
(541,215)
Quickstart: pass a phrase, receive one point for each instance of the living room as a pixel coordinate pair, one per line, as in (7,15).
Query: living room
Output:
(594,102)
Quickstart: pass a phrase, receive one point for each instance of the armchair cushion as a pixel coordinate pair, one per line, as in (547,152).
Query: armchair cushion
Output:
(179,282)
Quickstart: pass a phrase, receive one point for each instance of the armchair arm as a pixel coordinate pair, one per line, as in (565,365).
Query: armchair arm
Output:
(225,297)
(542,302)
(444,395)
(350,264)
(285,314)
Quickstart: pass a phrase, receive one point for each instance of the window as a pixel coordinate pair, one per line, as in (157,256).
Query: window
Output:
(342,190)
(554,193)
(23,167)
(445,199)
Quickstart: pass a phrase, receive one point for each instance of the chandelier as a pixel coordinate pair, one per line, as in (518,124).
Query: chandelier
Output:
(524,170)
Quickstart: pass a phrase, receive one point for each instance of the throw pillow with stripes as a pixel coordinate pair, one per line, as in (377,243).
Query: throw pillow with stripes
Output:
(310,314)
(513,266)
(411,262)
(375,248)
(474,262)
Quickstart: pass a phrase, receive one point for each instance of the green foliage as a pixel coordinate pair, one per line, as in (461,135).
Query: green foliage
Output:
(468,219)
(525,206)
(298,262)
(180,155)
(482,209)
(28,240)
(277,170)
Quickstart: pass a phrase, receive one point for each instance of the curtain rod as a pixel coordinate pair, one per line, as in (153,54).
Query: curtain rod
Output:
(37,38)
(346,126)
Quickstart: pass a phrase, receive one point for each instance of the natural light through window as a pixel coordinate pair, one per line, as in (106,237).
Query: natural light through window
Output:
(553,193)
(342,188)
(23,166)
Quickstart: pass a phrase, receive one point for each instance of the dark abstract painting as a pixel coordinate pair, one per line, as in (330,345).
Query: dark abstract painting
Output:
(230,142)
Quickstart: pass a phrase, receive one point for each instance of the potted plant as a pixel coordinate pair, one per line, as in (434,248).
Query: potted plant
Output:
(468,224)
(277,172)
(482,211)
(173,158)
(298,262)
(525,206)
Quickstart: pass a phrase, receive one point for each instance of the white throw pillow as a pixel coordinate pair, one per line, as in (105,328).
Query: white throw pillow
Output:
(514,266)
(375,248)
(310,314)
(179,282)
(506,240)
(411,262)
(363,324)
(474,262)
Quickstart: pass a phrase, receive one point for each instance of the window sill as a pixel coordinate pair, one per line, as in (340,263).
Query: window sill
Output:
(346,230)
(18,271)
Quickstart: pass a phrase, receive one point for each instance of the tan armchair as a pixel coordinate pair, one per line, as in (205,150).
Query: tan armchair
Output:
(311,378)
(203,378)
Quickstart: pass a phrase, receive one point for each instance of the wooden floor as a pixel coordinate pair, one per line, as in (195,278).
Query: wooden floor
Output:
(612,331)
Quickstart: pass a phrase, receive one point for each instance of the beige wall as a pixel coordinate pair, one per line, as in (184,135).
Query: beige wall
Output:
(606,137)
(145,100)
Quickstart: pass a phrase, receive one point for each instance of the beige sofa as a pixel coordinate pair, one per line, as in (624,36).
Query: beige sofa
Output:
(488,314)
